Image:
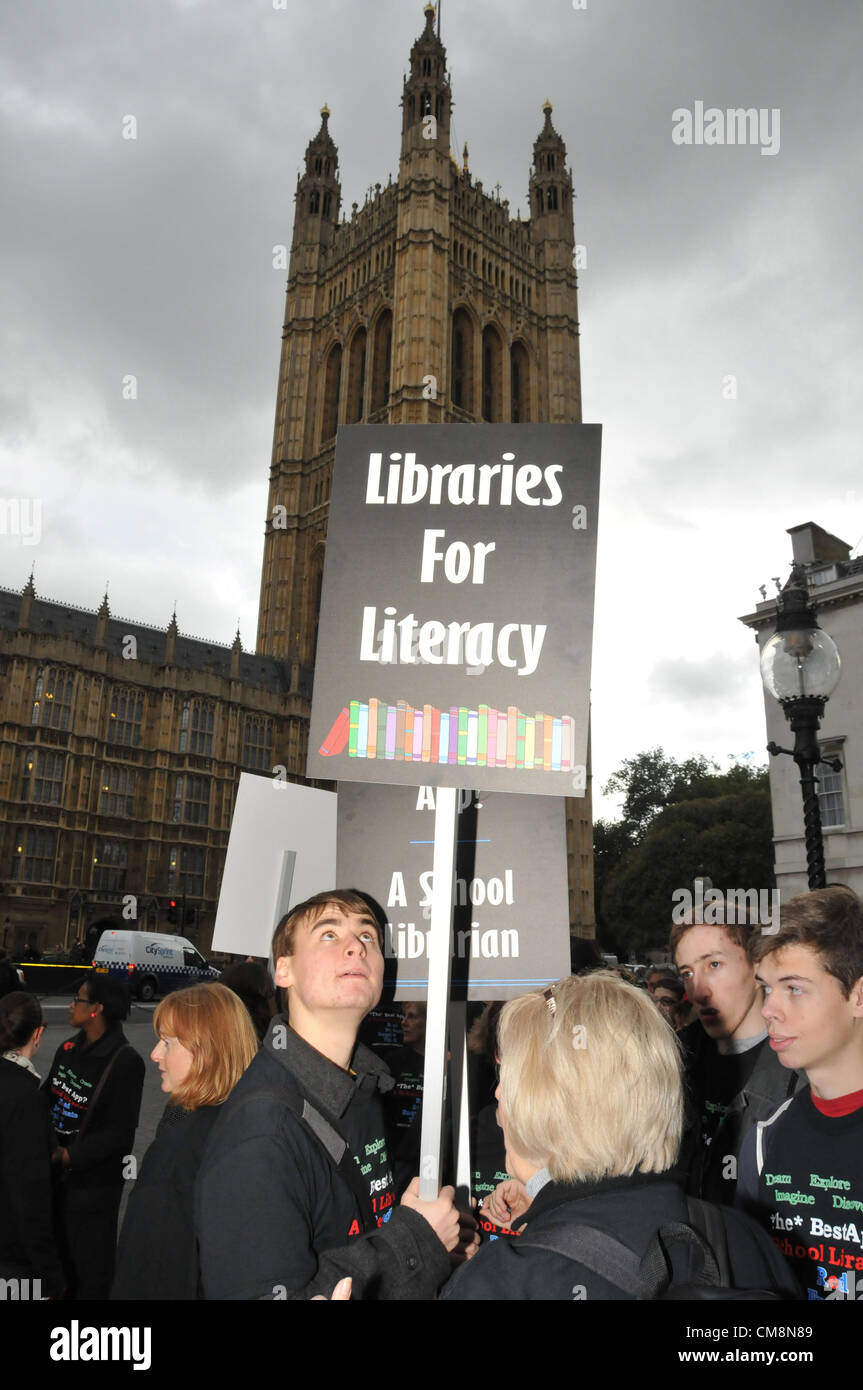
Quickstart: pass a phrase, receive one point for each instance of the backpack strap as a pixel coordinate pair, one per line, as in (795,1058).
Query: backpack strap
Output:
(645,1277)
(100,1086)
(335,1146)
(598,1252)
(707,1220)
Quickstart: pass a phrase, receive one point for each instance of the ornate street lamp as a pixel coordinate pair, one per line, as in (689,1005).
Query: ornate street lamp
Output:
(800,667)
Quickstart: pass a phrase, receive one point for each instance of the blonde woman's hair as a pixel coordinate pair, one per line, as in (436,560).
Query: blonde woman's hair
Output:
(212,1023)
(592,1088)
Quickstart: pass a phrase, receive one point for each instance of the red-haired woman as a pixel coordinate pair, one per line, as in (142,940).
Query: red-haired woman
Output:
(205,1042)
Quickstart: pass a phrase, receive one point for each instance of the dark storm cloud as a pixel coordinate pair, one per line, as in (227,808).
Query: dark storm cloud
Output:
(153,257)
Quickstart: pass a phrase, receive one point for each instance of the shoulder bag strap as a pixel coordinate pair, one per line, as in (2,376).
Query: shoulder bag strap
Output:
(91,1104)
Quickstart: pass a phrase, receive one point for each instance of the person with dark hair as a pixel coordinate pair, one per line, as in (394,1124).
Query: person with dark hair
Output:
(667,994)
(295,1189)
(94,1094)
(583,955)
(801,1170)
(205,1043)
(733,1077)
(27,1246)
(250,981)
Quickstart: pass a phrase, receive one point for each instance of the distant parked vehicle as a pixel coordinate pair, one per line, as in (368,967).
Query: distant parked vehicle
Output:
(152,963)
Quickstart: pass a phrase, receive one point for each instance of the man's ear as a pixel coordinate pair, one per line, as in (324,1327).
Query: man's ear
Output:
(856,997)
(283,975)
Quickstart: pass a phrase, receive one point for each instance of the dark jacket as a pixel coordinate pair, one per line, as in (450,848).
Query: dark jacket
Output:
(768,1086)
(157,1255)
(276,1217)
(27,1248)
(629,1209)
(96,1159)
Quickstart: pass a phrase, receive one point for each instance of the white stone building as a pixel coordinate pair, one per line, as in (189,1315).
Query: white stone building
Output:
(835,583)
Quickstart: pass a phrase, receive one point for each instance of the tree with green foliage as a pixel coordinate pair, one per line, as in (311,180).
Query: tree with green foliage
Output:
(691,819)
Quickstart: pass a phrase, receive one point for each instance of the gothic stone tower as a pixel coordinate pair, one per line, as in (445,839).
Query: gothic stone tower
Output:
(428,304)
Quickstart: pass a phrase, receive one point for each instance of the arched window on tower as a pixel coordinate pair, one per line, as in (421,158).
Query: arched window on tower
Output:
(492,375)
(552,199)
(520,380)
(328,202)
(462,361)
(383,349)
(539,203)
(425,104)
(318,165)
(357,377)
(332,386)
(314,201)
(549,161)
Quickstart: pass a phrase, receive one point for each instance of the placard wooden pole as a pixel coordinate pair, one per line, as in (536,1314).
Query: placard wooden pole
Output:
(286,880)
(440,960)
(460,1101)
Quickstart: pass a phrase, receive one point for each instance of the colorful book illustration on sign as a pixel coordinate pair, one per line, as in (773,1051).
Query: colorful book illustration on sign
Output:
(485,737)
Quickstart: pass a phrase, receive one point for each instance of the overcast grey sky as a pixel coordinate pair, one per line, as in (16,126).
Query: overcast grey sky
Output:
(152,257)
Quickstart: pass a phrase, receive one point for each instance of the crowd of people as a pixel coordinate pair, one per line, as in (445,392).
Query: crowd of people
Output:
(699,1137)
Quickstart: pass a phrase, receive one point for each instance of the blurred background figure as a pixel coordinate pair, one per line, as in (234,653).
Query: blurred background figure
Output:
(10,978)
(205,1042)
(27,1247)
(404,1103)
(93,1090)
(250,981)
(667,995)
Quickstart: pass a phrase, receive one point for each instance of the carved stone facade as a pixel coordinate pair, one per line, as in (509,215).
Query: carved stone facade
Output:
(430,304)
(120,748)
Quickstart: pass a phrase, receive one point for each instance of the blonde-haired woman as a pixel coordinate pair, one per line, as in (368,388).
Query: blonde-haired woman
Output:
(591,1106)
(205,1042)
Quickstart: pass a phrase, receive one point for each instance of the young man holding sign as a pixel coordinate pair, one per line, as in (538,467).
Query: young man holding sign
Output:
(295,1190)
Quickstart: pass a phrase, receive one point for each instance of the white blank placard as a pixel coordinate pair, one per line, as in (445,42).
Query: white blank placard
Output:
(270,819)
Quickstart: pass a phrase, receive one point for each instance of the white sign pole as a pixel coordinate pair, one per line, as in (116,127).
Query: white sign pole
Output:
(440,959)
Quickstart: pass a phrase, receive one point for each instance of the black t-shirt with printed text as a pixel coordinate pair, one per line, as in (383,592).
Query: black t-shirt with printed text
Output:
(809,1195)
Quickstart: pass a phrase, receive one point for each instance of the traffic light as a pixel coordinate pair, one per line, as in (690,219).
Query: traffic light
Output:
(172,912)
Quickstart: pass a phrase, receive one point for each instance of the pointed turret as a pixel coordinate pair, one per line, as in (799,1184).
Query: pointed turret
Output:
(171,640)
(319,192)
(102,617)
(27,597)
(550,185)
(426,97)
(236,653)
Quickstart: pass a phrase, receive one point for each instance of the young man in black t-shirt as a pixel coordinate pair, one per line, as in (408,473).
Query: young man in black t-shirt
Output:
(801,1171)
(732,1078)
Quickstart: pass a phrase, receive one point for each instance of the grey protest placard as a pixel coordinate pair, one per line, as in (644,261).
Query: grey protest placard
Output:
(510,924)
(457,607)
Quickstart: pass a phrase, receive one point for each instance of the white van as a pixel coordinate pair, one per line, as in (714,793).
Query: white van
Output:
(151,963)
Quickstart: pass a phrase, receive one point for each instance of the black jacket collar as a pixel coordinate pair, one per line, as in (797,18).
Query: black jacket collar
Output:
(556,1194)
(327,1083)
